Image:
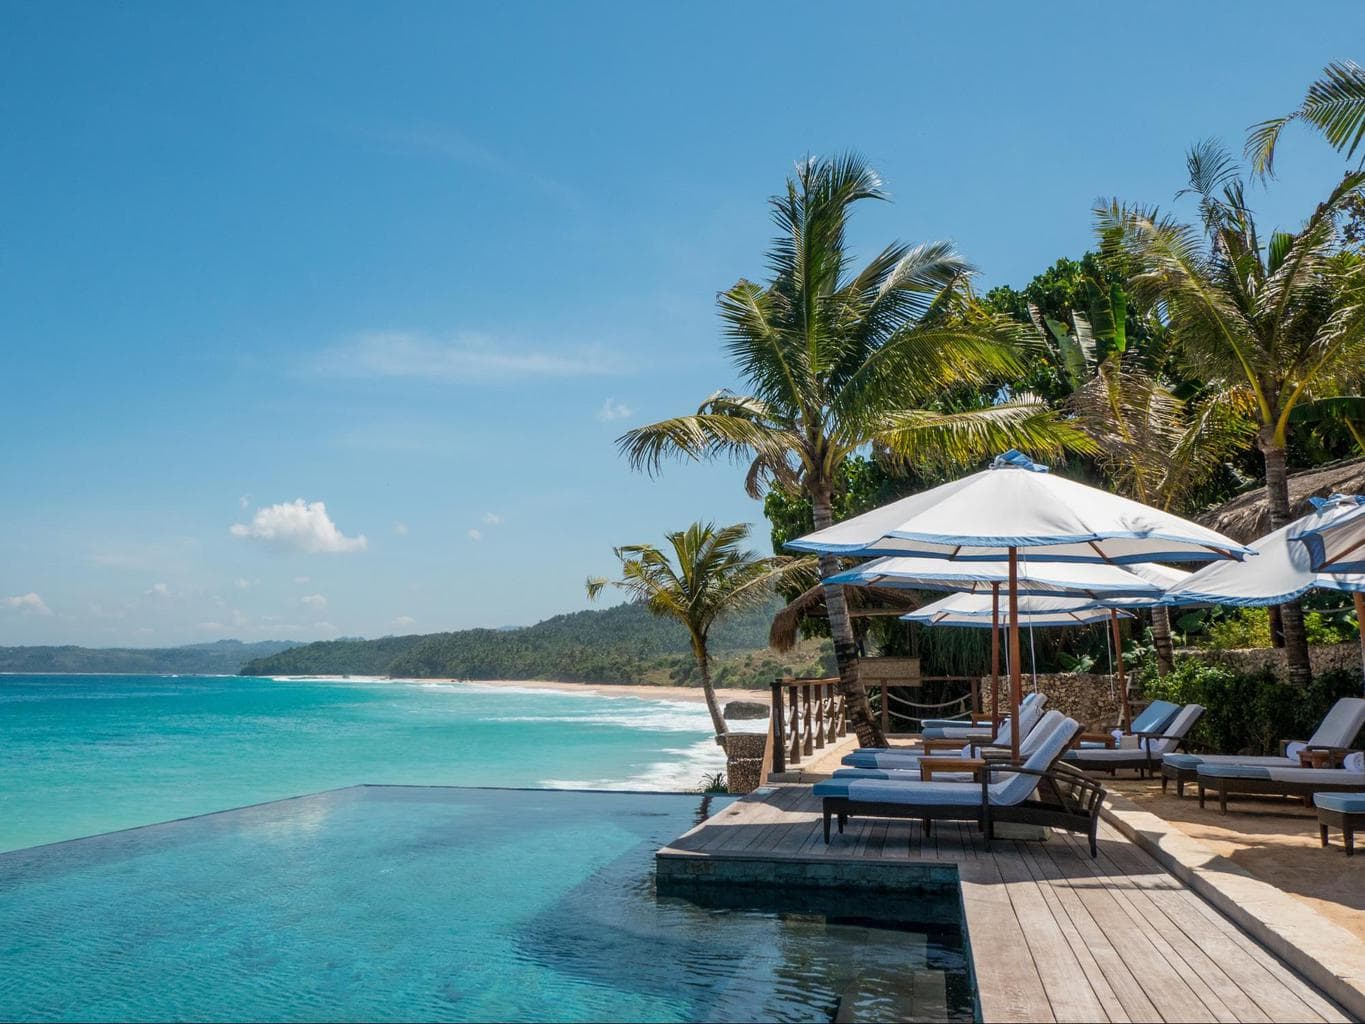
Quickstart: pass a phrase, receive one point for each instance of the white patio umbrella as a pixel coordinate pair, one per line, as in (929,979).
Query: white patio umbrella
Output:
(974,610)
(1284,569)
(1140,584)
(1017,504)
(1334,534)
(1336,547)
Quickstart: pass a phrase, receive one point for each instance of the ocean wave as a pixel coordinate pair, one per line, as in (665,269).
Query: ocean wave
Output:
(685,773)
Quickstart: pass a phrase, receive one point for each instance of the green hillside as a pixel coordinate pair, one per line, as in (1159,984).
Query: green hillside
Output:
(224,657)
(624,644)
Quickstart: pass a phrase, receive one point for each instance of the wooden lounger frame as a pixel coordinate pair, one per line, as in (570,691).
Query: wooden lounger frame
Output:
(1226,786)
(1181,775)
(1065,798)
(1100,764)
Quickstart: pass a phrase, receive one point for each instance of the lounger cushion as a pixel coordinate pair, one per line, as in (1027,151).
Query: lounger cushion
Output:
(1155,716)
(1296,775)
(1195,760)
(1342,724)
(1137,756)
(882,791)
(1346,803)
(957,733)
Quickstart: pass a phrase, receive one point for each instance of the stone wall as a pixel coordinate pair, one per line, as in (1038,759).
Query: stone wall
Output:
(744,761)
(1255,659)
(1084,696)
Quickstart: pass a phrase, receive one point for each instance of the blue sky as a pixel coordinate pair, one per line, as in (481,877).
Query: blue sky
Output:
(421,263)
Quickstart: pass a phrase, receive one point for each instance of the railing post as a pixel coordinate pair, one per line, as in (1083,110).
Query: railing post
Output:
(818,727)
(795,756)
(886,708)
(777,726)
(833,697)
(808,746)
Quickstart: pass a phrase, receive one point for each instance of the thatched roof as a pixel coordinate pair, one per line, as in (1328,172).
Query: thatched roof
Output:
(863,602)
(1247,516)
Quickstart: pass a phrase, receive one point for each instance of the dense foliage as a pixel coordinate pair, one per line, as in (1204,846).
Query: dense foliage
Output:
(1249,713)
(624,644)
(224,657)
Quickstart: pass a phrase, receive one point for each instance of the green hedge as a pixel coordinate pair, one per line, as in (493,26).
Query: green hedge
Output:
(1249,713)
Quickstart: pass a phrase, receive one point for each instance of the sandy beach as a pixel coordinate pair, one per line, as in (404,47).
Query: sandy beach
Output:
(685,693)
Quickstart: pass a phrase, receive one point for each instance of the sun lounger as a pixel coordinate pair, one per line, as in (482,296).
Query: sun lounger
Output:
(1153,719)
(985,721)
(1029,710)
(1144,758)
(907,767)
(897,757)
(1039,792)
(1243,780)
(1344,810)
(1334,735)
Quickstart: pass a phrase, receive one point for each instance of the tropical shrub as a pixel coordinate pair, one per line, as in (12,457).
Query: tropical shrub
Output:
(1248,713)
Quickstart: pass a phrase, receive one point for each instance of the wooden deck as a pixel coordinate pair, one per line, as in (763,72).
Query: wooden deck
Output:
(1054,935)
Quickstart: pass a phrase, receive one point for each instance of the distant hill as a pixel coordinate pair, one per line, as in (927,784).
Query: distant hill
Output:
(624,644)
(223,657)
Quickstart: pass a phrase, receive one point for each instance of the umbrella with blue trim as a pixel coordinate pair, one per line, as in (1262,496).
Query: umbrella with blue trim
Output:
(1287,564)
(1017,505)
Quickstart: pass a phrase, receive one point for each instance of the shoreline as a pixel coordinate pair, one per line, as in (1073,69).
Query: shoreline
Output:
(692,694)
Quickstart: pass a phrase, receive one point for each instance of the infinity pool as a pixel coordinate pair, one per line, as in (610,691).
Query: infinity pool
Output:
(413,903)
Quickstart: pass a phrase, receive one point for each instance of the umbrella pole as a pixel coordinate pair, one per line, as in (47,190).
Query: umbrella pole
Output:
(1016,683)
(1126,717)
(995,655)
(1360,620)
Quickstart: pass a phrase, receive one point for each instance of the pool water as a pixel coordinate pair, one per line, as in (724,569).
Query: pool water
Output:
(417,903)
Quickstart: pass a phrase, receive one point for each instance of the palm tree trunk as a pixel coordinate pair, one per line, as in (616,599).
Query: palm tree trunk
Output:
(856,707)
(709,691)
(1161,639)
(1300,670)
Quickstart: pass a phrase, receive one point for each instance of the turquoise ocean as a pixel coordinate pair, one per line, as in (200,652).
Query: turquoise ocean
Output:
(81,755)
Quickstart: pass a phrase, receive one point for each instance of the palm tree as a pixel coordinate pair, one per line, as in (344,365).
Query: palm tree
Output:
(707,575)
(1278,324)
(1156,447)
(838,359)
(1334,105)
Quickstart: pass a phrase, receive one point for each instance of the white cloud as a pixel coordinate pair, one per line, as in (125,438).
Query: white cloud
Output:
(28,604)
(404,620)
(466,356)
(245,584)
(244,501)
(325,627)
(301,525)
(401,529)
(302,579)
(613,410)
(159,590)
(313,601)
(492,519)
(475,534)
(210,627)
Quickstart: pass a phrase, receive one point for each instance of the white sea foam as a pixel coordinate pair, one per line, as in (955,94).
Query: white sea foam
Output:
(692,765)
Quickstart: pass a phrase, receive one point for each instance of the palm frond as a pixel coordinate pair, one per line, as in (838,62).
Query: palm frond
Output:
(1334,105)
(926,439)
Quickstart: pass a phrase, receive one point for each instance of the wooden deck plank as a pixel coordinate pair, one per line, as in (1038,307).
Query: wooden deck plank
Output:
(1010,987)
(1255,971)
(1055,936)
(1064,978)
(1085,959)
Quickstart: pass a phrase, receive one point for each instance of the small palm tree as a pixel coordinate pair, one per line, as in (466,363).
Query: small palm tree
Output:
(706,576)
(1279,324)
(840,360)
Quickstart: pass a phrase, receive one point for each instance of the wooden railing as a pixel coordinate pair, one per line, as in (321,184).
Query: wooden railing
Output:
(807,714)
(893,707)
